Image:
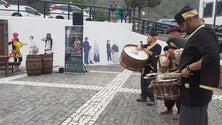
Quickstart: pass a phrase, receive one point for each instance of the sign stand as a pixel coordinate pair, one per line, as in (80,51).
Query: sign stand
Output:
(74,50)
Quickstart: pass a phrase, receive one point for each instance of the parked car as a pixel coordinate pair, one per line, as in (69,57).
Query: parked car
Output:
(12,10)
(3,2)
(168,21)
(162,25)
(60,11)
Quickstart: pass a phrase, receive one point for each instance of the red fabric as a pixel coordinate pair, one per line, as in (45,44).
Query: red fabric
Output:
(13,40)
(78,47)
(178,29)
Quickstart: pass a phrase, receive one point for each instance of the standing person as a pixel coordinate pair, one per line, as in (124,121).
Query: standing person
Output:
(200,57)
(108,50)
(48,43)
(172,62)
(175,42)
(96,52)
(113,9)
(86,48)
(14,39)
(125,14)
(33,49)
(152,49)
(91,52)
(176,36)
(18,56)
(115,51)
(120,14)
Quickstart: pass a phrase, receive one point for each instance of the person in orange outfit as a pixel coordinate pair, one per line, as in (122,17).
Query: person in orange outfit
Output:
(14,39)
(17,45)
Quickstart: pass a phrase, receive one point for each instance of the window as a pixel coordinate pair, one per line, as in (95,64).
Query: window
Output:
(75,9)
(2,2)
(208,10)
(62,8)
(31,11)
(219,8)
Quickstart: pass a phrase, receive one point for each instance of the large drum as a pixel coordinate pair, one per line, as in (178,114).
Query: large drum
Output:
(166,89)
(132,59)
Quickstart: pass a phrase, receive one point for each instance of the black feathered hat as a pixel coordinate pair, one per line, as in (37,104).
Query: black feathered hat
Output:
(184,14)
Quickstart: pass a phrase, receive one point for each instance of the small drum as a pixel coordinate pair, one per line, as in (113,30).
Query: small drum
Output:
(172,75)
(151,76)
(132,59)
(166,89)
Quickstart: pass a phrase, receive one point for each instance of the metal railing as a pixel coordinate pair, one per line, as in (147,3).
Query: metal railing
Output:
(145,26)
(104,13)
(97,13)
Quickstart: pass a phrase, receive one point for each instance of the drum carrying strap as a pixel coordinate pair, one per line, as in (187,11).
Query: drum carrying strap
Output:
(151,46)
(149,65)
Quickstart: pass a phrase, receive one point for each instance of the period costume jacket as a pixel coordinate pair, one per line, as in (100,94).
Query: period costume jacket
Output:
(151,63)
(202,44)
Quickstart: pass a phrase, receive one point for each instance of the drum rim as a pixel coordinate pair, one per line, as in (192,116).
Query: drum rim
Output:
(132,57)
(164,82)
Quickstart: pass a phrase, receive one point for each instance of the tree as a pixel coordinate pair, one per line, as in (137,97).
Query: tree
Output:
(141,4)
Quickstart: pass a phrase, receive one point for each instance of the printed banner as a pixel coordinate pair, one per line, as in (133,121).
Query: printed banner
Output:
(73,49)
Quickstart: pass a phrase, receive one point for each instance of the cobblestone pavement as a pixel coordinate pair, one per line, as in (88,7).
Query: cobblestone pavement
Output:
(105,95)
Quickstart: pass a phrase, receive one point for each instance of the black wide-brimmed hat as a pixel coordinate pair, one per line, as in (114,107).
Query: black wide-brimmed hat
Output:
(185,13)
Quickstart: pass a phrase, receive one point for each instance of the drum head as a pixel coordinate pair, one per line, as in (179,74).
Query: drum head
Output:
(131,51)
(152,74)
(166,80)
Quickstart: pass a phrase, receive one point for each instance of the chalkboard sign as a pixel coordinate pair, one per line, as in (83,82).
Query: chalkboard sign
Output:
(73,49)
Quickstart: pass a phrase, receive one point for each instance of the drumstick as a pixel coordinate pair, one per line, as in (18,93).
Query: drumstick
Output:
(176,73)
(159,56)
(172,74)
(141,43)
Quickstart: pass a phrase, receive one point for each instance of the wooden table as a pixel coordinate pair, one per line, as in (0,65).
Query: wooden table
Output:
(6,60)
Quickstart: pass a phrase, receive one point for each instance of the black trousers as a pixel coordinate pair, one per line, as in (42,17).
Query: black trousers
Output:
(194,115)
(145,91)
(18,59)
(170,103)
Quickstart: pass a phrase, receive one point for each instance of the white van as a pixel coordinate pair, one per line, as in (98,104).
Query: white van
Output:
(23,11)
(60,11)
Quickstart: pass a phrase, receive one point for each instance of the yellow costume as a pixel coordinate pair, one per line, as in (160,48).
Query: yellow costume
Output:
(18,46)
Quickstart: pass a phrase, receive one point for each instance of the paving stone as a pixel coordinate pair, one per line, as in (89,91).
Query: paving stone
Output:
(105,95)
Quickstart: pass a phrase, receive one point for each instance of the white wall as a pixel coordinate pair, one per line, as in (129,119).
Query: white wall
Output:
(118,33)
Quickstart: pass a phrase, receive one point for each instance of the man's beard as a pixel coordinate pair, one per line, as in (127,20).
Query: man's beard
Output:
(189,29)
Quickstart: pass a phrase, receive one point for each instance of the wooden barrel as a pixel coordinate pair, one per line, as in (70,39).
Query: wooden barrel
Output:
(33,65)
(47,63)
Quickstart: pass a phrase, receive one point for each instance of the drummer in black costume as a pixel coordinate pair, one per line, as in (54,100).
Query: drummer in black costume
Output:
(152,49)
(175,44)
(199,65)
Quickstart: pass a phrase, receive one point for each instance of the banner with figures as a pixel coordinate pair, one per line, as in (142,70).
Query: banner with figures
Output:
(73,49)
